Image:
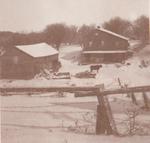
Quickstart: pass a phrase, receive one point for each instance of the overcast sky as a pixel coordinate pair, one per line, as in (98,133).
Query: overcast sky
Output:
(33,15)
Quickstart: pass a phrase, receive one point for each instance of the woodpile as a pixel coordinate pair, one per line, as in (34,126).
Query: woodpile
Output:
(85,74)
(44,74)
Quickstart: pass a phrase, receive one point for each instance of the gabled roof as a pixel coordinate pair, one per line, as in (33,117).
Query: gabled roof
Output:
(38,50)
(112,33)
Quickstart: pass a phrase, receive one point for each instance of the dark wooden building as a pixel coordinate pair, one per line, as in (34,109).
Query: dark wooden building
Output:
(105,46)
(26,60)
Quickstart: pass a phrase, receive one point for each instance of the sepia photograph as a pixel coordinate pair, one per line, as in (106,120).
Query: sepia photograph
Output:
(74,71)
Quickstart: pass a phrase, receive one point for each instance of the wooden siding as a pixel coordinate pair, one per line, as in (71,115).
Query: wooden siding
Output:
(103,41)
(19,65)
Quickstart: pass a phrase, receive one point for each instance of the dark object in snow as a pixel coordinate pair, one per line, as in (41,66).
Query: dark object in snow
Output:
(128,64)
(85,74)
(144,63)
(95,67)
(61,75)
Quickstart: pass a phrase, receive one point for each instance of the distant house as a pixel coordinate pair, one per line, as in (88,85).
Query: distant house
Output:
(26,60)
(105,46)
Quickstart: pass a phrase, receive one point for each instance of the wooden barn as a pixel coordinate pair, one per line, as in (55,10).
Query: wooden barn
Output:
(105,46)
(23,62)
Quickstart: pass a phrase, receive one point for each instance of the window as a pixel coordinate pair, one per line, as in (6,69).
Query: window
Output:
(96,34)
(102,43)
(90,43)
(15,59)
(117,44)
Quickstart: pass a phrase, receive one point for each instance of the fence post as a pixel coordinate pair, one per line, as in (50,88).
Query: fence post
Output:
(102,122)
(133,99)
(145,100)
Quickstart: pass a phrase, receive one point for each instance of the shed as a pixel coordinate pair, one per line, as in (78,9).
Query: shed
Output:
(24,61)
(105,46)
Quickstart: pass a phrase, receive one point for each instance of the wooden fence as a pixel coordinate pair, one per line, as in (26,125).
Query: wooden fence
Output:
(105,122)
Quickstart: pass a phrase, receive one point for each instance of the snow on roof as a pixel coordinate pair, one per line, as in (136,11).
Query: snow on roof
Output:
(112,33)
(105,52)
(38,50)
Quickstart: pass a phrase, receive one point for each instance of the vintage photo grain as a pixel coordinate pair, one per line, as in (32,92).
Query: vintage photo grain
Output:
(74,71)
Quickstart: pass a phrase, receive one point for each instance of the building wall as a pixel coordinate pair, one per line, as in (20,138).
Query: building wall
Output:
(0,68)
(103,41)
(45,62)
(16,64)
(104,58)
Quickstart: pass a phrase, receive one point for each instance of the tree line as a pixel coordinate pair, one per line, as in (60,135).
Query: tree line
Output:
(58,33)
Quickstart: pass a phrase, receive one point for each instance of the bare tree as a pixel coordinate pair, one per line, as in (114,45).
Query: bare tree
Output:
(85,33)
(70,35)
(55,34)
(119,25)
(141,28)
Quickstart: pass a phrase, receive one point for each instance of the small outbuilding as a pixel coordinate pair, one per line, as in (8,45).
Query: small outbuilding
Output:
(105,46)
(24,61)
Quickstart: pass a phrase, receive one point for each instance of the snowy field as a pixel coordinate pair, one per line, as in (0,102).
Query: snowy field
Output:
(49,118)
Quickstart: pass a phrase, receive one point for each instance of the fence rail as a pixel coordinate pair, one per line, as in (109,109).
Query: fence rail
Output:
(127,90)
(72,89)
(47,89)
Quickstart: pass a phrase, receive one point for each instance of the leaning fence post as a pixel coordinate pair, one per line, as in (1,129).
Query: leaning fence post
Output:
(133,98)
(145,100)
(100,129)
(102,122)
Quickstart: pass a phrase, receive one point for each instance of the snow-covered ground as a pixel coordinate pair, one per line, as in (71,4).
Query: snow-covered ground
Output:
(56,119)
(50,118)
